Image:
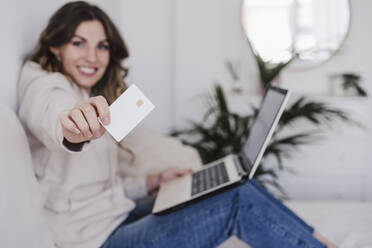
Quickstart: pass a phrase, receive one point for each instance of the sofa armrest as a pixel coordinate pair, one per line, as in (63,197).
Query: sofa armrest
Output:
(21,206)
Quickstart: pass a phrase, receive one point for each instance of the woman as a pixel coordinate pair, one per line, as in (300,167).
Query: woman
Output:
(66,85)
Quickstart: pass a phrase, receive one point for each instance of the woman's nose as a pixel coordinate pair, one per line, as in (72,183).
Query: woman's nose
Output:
(91,55)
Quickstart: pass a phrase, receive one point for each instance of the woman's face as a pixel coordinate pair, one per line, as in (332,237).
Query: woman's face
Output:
(86,57)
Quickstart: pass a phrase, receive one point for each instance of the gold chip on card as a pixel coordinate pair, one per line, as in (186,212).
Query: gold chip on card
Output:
(139,103)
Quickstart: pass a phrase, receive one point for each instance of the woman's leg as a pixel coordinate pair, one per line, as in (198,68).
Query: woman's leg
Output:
(280,205)
(288,211)
(244,211)
(141,210)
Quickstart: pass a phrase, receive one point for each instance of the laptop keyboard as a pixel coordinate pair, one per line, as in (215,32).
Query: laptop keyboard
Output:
(208,178)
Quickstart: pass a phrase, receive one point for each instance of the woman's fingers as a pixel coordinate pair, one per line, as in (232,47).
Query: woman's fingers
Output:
(100,103)
(172,173)
(79,119)
(68,124)
(90,114)
(81,123)
(92,109)
(181,172)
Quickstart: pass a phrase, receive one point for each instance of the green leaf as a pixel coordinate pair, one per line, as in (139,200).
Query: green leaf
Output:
(268,71)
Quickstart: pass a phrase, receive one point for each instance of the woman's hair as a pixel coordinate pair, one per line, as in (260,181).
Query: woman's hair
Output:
(60,30)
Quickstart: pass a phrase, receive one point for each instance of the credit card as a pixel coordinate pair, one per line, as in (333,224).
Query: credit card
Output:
(127,111)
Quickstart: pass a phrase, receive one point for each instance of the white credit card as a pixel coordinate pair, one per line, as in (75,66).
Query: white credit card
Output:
(127,111)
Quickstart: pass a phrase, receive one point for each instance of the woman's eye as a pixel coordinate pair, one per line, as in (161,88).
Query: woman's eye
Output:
(77,43)
(104,47)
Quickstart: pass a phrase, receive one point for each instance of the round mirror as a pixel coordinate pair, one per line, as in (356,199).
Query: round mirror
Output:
(309,30)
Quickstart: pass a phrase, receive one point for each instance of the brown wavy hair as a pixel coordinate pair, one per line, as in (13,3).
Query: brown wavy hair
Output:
(60,30)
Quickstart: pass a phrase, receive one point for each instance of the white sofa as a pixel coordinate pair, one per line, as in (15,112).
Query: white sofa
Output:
(348,224)
(22,223)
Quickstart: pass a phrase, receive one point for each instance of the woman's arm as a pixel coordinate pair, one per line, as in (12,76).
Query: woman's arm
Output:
(53,110)
(42,99)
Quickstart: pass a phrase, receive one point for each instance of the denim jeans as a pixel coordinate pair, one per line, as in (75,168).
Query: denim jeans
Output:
(247,211)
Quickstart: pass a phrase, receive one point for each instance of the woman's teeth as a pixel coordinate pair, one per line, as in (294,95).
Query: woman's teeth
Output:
(87,70)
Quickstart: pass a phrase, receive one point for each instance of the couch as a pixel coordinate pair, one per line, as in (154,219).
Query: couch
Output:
(22,223)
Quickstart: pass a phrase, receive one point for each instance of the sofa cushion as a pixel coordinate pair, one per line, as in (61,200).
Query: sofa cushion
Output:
(22,222)
(155,152)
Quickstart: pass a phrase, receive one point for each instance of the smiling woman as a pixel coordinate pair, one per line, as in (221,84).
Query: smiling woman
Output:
(86,57)
(65,88)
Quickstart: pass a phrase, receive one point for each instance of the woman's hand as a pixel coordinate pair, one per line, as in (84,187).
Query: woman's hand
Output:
(81,123)
(153,181)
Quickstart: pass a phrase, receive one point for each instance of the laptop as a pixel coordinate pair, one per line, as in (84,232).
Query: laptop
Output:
(231,170)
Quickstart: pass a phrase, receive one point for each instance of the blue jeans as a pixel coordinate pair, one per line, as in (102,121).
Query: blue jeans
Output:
(248,212)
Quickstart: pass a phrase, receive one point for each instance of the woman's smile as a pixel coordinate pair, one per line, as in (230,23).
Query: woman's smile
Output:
(87,71)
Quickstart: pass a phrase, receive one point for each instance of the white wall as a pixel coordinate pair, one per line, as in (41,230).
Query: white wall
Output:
(147,29)
(208,32)
(345,157)
(354,56)
(11,43)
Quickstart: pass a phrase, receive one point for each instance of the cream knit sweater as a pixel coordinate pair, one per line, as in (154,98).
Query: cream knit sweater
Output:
(85,199)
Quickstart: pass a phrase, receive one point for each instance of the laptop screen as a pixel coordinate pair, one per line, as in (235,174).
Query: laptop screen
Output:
(266,120)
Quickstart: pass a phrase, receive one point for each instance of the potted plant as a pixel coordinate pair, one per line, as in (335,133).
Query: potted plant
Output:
(222,132)
(351,82)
